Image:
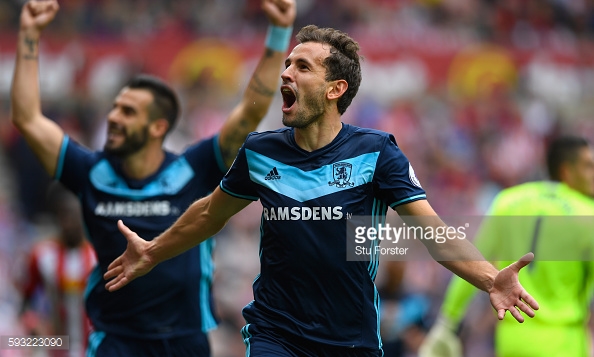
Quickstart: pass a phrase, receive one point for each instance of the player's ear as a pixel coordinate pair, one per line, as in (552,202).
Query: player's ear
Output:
(565,171)
(569,174)
(159,127)
(336,89)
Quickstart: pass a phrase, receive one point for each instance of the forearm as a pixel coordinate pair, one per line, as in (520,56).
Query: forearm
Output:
(192,228)
(43,135)
(263,85)
(464,259)
(200,221)
(25,101)
(258,96)
(458,254)
(265,80)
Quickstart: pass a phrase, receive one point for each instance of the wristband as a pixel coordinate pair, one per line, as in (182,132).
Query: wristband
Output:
(278,38)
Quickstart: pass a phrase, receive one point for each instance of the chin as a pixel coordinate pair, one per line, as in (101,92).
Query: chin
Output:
(110,145)
(286,121)
(113,150)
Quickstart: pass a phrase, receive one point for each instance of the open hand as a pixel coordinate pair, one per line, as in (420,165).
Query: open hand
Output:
(507,294)
(133,263)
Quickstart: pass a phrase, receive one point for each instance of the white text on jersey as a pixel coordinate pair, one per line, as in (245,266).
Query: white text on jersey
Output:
(133,209)
(303,213)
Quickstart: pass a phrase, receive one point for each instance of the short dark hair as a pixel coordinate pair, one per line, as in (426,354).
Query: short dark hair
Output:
(562,150)
(343,62)
(165,103)
(57,197)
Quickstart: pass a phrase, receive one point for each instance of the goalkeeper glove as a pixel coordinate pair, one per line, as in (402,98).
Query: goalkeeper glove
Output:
(441,341)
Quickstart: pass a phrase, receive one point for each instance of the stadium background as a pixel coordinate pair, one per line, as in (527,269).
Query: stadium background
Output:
(472,91)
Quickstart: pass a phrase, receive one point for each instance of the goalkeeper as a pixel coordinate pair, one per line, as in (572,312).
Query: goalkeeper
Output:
(562,281)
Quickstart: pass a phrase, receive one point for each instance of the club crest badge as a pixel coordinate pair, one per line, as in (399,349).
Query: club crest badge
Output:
(341,173)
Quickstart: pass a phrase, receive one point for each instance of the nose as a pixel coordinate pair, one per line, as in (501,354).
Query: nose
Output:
(112,116)
(286,76)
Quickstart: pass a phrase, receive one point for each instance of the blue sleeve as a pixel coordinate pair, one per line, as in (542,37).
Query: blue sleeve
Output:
(205,157)
(395,181)
(237,181)
(74,162)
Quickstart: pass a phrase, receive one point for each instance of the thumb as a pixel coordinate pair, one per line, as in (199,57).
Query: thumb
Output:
(129,234)
(524,260)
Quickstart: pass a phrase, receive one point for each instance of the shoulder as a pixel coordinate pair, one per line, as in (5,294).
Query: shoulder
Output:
(546,197)
(370,133)
(371,138)
(525,189)
(74,163)
(261,135)
(523,193)
(74,147)
(581,203)
(269,136)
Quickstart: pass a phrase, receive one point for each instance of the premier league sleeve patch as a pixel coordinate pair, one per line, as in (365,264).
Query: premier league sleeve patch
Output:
(413,178)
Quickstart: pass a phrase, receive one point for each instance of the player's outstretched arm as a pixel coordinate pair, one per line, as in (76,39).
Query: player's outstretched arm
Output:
(43,135)
(264,82)
(202,220)
(463,259)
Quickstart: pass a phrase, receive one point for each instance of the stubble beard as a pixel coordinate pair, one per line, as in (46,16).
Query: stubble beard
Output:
(311,110)
(132,144)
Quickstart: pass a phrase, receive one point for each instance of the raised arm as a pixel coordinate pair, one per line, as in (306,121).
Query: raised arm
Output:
(200,221)
(43,135)
(263,84)
(464,259)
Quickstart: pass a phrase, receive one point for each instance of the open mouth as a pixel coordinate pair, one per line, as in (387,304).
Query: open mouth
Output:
(114,131)
(289,97)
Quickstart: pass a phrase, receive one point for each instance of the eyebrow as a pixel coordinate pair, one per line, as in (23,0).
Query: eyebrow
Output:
(298,60)
(125,107)
(129,107)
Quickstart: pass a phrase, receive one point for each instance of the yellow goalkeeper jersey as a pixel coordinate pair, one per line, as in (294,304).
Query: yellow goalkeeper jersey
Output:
(557,224)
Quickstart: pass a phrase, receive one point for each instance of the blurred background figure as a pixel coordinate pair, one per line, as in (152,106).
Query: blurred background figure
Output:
(55,277)
(473,90)
(404,308)
(536,216)
(134,178)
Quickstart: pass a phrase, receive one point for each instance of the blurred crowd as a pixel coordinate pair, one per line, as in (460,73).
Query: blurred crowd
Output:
(506,21)
(472,90)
